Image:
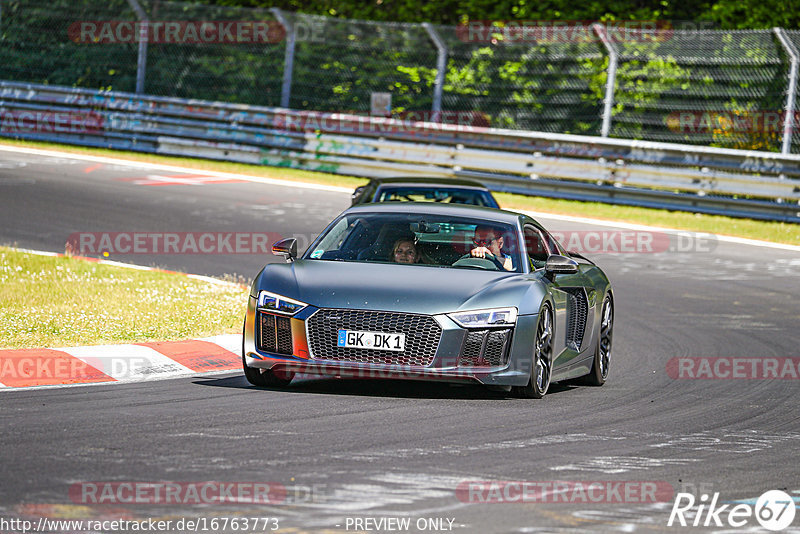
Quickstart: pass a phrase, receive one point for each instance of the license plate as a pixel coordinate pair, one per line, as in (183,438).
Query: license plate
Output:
(371,340)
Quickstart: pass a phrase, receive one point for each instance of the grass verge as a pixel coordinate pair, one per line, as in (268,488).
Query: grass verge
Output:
(48,301)
(777,232)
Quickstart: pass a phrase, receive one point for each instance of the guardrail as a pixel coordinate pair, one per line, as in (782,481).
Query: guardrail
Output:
(761,185)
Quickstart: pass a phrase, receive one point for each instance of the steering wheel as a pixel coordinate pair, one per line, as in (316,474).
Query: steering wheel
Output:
(489,263)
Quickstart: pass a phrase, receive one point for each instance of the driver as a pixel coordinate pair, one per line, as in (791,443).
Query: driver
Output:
(489,244)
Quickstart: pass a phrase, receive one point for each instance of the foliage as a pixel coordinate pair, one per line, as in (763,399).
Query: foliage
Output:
(725,14)
(536,85)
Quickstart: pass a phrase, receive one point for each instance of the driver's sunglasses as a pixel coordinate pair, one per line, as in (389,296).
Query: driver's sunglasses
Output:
(484,242)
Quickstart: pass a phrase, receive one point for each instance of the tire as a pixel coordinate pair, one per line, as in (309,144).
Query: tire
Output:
(602,352)
(264,377)
(542,363)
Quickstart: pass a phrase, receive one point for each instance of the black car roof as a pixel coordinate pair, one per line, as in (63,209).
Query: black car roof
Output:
(460,210)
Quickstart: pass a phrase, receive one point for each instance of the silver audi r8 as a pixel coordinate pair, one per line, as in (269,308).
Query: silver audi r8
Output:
(431,292)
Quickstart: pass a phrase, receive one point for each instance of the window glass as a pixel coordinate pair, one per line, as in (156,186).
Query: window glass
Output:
(536,247)
(439,241)
(472,197)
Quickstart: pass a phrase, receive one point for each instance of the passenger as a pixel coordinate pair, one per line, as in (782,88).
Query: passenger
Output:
(405,251)
(489,244)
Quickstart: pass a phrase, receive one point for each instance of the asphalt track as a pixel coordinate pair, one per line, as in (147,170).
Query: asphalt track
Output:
(378,449)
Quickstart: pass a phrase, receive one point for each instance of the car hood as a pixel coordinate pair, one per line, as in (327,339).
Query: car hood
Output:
(405,288)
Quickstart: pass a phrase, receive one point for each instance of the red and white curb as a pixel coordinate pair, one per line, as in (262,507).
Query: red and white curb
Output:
(25,368)
(70,366)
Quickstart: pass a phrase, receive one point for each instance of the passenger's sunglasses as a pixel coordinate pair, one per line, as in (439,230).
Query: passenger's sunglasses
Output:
(484,242)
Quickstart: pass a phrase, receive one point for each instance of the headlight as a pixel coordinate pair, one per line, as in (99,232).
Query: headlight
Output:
(485,318)
(278,303)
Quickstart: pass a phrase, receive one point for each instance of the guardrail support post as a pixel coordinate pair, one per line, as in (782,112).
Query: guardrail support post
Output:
(789,120)
(141,59)
(608,103)
(288,58)
(441,65)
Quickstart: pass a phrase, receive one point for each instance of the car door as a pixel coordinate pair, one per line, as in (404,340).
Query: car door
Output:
(573,313)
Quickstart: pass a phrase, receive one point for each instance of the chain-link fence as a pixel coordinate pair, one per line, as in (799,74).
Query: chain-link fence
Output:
(707,87)
(533,82)
(339,63)
(697,86)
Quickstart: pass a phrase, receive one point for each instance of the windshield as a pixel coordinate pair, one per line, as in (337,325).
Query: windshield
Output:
(429,240)
(473,197)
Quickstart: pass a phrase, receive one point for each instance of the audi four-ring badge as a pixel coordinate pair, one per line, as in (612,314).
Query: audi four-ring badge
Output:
(425,291)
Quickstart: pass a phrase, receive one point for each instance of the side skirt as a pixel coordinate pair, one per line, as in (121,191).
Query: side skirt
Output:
(575,369)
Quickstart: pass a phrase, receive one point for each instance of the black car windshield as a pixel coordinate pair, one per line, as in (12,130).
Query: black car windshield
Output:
(443,195)
(432,240)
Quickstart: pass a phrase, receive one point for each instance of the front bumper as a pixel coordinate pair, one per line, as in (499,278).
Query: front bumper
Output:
(446,365)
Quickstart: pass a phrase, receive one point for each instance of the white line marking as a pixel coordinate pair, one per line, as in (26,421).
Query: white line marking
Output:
(195,374)
(200,277)
(128,362)
(212,280)
(36,252)
(126,265)
(174,168)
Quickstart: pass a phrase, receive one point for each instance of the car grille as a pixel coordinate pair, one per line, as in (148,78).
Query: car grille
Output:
(275,334)
(422,336)
(484,348)
(577,310)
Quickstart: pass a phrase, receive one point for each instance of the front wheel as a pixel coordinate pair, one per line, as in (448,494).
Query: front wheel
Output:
(541,368)
(602,353)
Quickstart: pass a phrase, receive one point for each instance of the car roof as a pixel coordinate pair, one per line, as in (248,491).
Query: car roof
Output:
(427,181)
(460,210)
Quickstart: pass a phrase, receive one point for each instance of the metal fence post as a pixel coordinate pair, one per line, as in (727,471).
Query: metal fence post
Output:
(788,120)
(288,58)
(141,59)
(610,81)
(441,65)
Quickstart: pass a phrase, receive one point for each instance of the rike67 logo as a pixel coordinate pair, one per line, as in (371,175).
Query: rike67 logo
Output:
(774,510)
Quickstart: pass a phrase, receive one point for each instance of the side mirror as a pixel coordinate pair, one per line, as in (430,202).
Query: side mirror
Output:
(357,193)
(560,265)
(286,248)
